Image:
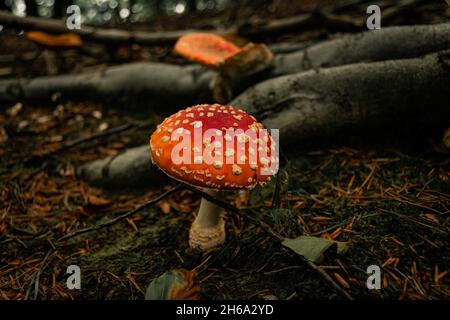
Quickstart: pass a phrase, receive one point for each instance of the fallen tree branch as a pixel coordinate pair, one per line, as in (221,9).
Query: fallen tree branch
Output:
(34,282)
(91,33)
(123,216)
(386,44)
(110,35)
(320,105)
(354,98)
(129,169)
(155,86)
(165,88)
(300,22)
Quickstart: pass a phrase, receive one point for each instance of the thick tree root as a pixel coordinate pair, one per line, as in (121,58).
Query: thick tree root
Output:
(319,104)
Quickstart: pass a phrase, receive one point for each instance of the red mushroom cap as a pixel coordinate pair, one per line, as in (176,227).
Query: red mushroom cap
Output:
(206,48)
(214,146)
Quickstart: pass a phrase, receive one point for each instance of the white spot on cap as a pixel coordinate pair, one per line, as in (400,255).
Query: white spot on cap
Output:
(218,164)
(236,170)
(197,124)
(165,138)
(229,153)
(243,138)
(198,160)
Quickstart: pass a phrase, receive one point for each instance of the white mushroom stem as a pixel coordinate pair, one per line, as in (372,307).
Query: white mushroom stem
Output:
(208,229)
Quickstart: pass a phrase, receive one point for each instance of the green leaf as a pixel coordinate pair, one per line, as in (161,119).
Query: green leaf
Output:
(174,285)
(314,248)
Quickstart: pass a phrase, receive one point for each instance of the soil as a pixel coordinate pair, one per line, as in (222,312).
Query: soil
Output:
(388,199)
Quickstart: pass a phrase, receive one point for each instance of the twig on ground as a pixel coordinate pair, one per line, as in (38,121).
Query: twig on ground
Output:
(36,276)
(121,217)
(273,234)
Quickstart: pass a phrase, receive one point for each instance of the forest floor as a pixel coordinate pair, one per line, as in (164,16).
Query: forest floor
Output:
(389,200)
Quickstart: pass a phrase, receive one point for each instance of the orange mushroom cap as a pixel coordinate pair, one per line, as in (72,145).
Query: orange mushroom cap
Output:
(214,146)
(62,40)
(206,48)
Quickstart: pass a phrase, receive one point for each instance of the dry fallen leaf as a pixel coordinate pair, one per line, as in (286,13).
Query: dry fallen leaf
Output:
(103,126)
(15,109)
(97,200)
(164,206)
(179,284)
(3,135)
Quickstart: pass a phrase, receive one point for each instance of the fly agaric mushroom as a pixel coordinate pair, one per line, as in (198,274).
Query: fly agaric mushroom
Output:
(230,61)
(214,147)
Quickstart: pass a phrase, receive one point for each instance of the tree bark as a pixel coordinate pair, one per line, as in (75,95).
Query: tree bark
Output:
(150,86)
(378,45)
(321,104)
(317,104)
(131,169)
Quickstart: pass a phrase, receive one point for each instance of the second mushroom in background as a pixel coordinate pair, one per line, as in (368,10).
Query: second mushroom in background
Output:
(231,62)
